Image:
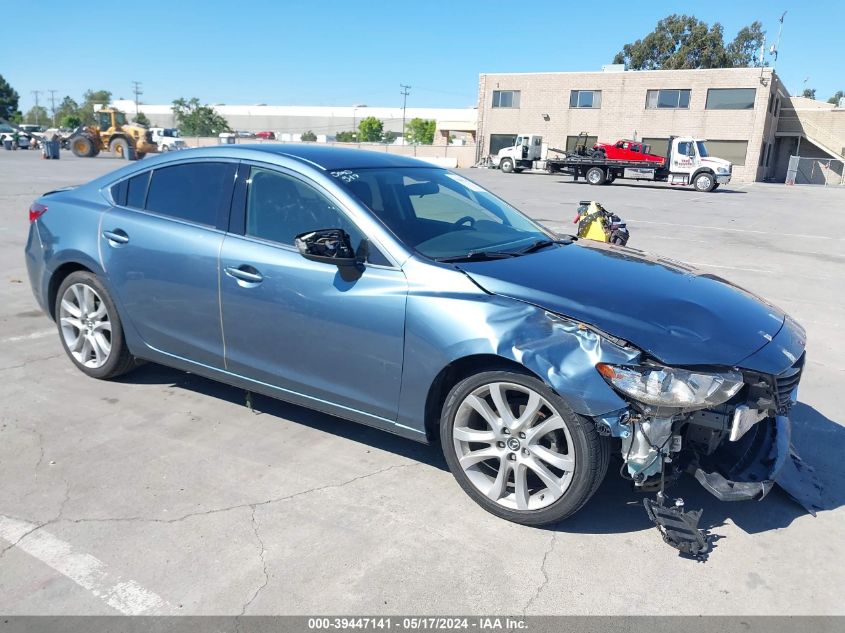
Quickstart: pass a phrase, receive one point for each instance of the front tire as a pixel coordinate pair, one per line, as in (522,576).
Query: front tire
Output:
(119,147)
(704,182)
(82,147)
(90,328)
(518,450)
(506,165)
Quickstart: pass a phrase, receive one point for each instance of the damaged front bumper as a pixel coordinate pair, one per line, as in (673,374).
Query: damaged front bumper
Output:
(766,458)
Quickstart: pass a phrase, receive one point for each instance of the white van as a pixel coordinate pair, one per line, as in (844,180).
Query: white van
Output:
(167,138)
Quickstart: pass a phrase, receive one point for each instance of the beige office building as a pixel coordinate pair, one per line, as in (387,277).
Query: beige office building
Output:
(735,109)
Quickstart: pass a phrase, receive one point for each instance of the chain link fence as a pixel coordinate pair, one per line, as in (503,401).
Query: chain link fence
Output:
(815,171)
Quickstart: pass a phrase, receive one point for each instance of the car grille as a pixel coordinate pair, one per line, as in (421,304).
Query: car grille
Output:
(785,384)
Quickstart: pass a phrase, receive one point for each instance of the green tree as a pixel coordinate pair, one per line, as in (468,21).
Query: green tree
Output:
(308,137)
(371,129)
(836,97)
(683,42)
(194,119)
(8,100)
(420,131)
(71,121)
(141,119)
(744,50)
(37,115)
(89,100)
(810,93)
(345,137)
(67,108)
(389,137)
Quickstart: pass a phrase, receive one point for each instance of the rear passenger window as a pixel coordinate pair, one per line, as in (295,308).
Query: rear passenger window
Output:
(190,191)
(137,191)
(118,193)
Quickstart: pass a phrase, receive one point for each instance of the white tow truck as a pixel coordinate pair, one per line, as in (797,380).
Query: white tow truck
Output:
(687,161)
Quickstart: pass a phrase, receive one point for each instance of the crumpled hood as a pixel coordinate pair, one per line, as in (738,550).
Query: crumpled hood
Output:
(676,313)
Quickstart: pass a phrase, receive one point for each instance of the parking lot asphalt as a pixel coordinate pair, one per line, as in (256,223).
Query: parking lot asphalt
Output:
(163,493)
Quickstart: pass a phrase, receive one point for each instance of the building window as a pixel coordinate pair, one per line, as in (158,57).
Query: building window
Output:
(659,146)
(730,98)
(506,98)
(585,99)
(771,102)
(668,99)
(777,107)
(501,141)
(733,151)
(572,141)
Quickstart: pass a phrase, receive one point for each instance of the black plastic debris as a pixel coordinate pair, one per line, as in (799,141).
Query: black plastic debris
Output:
(677,527)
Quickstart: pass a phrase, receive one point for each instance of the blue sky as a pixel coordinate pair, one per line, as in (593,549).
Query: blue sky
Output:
(341,53)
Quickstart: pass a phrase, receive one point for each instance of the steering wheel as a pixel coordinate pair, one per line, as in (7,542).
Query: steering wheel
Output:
(464,220)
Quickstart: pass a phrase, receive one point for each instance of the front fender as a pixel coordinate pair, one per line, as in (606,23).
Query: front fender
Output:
(462,320)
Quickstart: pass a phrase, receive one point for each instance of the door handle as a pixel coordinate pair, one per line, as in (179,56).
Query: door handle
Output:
(245,273)
(118,236)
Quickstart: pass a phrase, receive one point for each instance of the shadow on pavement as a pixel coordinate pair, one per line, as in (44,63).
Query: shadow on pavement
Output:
(616,507)
(153,374)
(635,185)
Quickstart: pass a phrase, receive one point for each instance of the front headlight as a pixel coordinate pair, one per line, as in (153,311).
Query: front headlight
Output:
(669,387)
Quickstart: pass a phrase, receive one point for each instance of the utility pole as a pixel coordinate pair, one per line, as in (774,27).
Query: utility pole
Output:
(53,105)
(138,92)
(406,90)
(36,93)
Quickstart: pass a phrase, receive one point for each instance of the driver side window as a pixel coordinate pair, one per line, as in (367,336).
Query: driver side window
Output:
(280,207)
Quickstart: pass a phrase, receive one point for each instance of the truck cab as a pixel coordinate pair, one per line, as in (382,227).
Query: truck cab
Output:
(167,139)
(526,149)
(691,164)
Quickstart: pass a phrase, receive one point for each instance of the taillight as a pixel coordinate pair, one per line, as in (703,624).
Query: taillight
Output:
(36,211)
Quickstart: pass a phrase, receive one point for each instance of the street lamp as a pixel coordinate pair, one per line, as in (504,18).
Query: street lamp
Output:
(355,120)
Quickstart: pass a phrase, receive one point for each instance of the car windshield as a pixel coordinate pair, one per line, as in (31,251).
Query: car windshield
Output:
(440,214)
(702,149)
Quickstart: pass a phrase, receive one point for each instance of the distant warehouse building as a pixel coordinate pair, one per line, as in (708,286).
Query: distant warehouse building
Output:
(288,122)
(735,109)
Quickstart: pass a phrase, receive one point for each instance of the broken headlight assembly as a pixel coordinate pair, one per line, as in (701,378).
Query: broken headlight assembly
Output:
(660,386)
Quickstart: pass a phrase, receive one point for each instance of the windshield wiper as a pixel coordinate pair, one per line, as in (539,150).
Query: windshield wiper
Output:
(474,256)
(540,244)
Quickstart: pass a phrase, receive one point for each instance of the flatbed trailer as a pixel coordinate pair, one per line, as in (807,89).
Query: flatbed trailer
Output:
(687,163)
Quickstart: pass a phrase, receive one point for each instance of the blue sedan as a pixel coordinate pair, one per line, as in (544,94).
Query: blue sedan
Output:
(397,294)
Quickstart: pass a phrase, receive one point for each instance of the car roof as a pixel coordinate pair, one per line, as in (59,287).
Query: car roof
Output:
(327,157)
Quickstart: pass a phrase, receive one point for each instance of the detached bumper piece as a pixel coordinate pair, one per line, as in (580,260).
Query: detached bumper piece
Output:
(749,468)
(677,527)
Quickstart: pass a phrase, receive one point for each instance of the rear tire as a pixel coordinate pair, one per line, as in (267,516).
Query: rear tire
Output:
(596,176)
(89,327)
(506,165)
(542,469)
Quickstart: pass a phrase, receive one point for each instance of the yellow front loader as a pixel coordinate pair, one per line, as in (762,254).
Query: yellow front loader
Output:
(112,134)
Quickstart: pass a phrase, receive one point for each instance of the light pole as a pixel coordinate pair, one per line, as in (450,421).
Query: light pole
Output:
(53,105)
(136,88)
(406,90)
(36,93)
(355,120)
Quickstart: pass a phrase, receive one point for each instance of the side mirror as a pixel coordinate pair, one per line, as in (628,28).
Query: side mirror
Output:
(328,246)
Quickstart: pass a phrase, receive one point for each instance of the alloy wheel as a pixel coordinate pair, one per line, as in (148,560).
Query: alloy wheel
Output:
(85,324)
(513,446)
